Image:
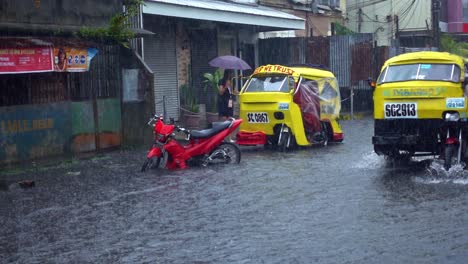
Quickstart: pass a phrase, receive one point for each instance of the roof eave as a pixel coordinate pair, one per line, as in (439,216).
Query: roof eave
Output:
(264,22)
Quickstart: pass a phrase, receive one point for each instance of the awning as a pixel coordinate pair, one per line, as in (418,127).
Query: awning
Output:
(266,18)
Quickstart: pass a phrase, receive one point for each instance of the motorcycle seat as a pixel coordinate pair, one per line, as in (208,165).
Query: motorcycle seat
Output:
(205,133)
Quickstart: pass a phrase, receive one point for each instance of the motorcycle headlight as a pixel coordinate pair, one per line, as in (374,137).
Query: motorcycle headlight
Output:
(452,116)
(160,137)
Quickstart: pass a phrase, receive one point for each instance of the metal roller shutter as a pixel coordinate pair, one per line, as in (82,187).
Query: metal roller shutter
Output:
(160,55)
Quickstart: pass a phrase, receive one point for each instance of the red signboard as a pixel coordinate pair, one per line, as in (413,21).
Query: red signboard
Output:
(22,60)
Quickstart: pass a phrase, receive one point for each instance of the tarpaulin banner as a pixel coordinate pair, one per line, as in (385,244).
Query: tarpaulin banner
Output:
(26,59)
(73,59)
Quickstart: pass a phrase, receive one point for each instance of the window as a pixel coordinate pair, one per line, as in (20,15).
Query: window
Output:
(330,3)
(271,83)
(465,10)
(428,72)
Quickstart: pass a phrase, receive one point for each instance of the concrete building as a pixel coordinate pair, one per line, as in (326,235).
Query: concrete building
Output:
(454,18)
(189,33)
(59,94)
(408,21)
(320,16)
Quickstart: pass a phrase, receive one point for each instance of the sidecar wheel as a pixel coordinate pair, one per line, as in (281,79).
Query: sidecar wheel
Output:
(448,153)
(229,153)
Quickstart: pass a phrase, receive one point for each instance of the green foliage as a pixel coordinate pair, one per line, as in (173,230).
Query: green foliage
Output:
(188,98)
(211,82)
(341,30)
(117,31)
(449,44)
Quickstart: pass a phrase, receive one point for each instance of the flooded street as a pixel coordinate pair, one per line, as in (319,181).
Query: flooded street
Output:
(336,204)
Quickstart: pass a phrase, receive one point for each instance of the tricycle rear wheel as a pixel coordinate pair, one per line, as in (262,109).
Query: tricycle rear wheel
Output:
(448,153)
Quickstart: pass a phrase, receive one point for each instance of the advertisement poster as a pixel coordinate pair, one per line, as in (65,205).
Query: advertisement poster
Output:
(45,59)
(68,59)
(26,59)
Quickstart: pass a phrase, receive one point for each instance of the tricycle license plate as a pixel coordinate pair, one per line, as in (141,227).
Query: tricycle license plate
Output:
(455,102)
(401,110)
(257,117)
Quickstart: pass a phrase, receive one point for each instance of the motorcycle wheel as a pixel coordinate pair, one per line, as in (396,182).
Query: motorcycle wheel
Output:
(150,163)
(227,153)
(448,153)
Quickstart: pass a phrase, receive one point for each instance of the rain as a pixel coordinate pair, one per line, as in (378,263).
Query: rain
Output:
(330,131)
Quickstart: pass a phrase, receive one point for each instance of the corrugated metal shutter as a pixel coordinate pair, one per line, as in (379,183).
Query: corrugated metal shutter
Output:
(203,49)
(160,55)
(340,59)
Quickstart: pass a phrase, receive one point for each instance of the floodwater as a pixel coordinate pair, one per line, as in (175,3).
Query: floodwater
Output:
(335,204)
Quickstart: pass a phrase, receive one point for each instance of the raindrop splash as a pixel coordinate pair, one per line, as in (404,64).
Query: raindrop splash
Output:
(436,174)
(369,161)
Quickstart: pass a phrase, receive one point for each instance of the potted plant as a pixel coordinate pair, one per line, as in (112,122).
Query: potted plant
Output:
(211,84)
(189,106)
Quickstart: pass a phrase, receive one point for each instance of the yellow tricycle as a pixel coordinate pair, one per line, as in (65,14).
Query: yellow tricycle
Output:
(288,106)
(420,107)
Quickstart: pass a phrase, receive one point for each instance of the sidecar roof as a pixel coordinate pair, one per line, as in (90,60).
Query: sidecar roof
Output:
(425,57)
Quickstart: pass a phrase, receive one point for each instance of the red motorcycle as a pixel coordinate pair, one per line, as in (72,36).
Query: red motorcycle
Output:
(204,146)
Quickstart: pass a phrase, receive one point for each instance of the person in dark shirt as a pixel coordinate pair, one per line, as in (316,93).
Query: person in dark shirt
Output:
(225,96)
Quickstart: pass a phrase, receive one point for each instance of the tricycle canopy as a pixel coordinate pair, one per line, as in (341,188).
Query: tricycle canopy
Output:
(298,101)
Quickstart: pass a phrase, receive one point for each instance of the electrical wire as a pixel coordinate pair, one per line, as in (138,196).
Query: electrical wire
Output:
(364,4)
(404,13)
(409,20)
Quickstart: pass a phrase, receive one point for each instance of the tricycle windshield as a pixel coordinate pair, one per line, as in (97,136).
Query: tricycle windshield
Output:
(270,83)
(420,72)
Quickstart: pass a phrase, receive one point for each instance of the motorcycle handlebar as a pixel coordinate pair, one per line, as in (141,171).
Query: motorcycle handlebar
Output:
(153,119)
(184,130)
(178,128)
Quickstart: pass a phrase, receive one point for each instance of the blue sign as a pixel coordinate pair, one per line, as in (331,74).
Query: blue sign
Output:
(283,106)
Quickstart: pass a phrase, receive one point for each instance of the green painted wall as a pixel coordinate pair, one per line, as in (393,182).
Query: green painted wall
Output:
(110,119)
(82,118)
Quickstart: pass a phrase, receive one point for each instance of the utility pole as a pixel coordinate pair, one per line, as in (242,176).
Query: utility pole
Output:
(359,19)
(397,28)
(435,23)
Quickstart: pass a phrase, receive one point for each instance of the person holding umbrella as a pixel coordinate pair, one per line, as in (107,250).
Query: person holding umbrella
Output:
(225,92)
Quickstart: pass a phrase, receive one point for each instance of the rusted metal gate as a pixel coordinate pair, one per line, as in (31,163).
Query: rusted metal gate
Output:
(318,51)
(353,59)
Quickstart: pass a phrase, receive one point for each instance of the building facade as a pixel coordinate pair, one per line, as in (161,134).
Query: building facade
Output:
(320,16)
(189,33)
(454,17)
(59,94)
(408,21)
